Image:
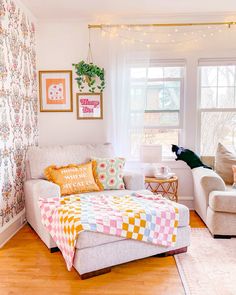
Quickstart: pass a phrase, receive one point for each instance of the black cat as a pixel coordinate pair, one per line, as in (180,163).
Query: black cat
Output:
(188,156)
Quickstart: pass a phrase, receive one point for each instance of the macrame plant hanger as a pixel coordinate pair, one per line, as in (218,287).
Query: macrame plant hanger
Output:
(90,55)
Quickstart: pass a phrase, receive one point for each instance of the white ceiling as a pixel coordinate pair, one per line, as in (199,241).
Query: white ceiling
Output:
(99,9)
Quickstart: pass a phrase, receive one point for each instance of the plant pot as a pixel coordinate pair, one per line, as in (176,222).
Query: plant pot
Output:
(86,79)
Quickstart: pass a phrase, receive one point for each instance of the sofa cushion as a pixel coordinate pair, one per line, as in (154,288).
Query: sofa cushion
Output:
(223,201)
(223,164)
(41,157)
(88,239)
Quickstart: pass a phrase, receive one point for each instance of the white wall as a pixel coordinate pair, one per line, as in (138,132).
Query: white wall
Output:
(59,44)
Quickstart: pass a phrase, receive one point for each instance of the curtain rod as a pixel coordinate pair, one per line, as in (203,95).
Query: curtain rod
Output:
(100,26)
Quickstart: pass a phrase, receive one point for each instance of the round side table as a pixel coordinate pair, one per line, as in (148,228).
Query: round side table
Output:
(168,188)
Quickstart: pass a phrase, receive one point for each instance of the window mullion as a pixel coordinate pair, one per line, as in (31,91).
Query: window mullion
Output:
(234,83)
(217,87)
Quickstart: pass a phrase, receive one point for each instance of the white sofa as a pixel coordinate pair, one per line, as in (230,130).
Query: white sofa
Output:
(215,202)
(95,252)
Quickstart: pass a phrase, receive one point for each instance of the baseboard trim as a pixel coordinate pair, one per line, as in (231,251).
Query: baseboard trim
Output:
(11,228)
(186,198)
(187,201)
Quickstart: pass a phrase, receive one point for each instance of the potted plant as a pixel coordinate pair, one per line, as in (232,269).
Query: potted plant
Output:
(89,73)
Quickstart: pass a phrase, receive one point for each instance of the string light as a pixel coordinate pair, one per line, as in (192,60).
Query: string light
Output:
(170,37)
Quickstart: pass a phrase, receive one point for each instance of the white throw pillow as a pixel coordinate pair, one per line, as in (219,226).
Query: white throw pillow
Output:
(225,159)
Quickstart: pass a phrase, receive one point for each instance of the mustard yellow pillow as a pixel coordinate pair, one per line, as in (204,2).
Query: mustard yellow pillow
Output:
(73,179)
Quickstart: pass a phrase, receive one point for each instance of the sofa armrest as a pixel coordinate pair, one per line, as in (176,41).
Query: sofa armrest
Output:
(35,189)
(133,180)
(208,180)
(205,181)
(40,188)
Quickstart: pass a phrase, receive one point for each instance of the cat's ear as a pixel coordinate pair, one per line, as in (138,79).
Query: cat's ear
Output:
(174,148)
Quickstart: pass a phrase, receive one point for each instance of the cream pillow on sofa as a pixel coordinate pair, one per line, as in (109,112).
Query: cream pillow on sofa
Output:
(224,162)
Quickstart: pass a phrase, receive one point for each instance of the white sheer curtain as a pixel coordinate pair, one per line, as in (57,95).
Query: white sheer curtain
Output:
(128,98)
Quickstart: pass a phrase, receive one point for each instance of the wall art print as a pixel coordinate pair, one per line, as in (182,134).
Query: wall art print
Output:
(55,91)
(89,106)
(18,105)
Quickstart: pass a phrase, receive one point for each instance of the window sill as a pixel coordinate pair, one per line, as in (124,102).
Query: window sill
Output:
(166,161)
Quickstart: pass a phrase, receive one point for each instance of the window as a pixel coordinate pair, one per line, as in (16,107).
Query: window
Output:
(217,105)
(157,94)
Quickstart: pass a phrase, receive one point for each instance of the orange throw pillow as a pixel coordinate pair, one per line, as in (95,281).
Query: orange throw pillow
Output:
(73,179)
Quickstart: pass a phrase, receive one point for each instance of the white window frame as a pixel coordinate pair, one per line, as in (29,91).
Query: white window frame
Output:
(169,63)
(211,62)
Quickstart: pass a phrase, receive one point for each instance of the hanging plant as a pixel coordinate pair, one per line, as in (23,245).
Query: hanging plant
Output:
(89,73)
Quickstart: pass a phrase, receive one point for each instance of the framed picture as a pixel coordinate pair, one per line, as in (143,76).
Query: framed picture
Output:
(89,106)
(55,91)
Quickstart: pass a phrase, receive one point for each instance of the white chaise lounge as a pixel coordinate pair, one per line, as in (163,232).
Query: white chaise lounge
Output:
(95,252)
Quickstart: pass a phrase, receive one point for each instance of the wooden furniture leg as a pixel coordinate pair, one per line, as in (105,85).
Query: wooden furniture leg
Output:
(221,237)
(95,273)
(172,252)
(54,249)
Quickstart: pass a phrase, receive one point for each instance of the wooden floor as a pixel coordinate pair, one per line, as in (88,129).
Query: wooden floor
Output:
(28,268)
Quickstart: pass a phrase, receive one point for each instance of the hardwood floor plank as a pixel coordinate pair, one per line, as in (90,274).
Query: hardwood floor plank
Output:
(195,220)
(28,268)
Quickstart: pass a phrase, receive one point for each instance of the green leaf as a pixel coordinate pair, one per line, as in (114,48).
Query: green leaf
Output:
(92,71)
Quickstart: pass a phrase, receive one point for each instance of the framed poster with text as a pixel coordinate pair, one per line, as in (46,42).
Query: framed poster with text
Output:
(55,91)
(89,106)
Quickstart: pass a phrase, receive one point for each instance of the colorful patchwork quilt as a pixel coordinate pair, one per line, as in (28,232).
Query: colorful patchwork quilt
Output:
(149,218)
